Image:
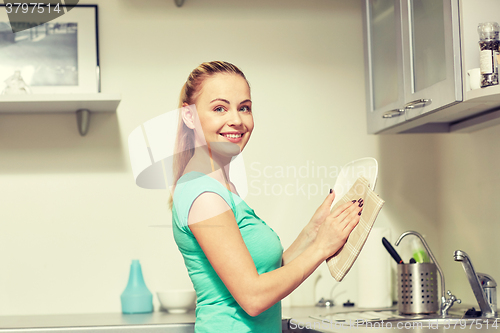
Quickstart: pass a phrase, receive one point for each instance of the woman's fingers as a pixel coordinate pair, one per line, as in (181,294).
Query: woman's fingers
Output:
(329,198)
(354,208)
(355,203)
(351,217)
(339,210)
(351,223)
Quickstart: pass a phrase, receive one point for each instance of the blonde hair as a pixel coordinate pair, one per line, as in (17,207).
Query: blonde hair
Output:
(184,143)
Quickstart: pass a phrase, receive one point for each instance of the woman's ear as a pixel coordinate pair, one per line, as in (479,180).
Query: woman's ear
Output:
(188,115)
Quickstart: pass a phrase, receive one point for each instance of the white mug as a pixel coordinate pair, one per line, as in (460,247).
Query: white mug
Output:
(474,76)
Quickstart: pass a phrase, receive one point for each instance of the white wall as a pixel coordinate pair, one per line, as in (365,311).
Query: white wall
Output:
(72,218)
(469,209)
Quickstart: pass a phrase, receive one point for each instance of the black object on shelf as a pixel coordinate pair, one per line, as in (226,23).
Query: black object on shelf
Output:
(348,303)
(473,313)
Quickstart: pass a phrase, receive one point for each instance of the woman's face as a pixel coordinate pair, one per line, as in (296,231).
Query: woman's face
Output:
(225,113)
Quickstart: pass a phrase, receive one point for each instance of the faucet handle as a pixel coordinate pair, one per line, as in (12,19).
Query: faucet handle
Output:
(486,280)
(447,303)
(453,298)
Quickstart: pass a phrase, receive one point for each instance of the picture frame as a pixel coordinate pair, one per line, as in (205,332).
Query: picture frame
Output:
(60,56)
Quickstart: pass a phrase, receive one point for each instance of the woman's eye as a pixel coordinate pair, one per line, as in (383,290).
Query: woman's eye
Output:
(219,109)
(245,108)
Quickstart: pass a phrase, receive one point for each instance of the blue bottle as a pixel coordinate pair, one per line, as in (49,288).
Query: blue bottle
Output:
(136,298)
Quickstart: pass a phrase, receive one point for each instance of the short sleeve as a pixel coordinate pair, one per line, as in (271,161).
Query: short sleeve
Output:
(191,186)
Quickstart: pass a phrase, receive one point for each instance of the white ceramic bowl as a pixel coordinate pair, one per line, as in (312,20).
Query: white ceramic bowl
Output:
(177,301)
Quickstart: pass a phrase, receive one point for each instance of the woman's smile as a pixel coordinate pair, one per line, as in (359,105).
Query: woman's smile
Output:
(233,137)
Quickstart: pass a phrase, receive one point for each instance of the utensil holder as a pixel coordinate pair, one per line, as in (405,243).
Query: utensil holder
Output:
(418,283)
(417,288)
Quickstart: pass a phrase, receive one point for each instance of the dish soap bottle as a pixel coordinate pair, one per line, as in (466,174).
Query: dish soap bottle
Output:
(136,298)
(419,253)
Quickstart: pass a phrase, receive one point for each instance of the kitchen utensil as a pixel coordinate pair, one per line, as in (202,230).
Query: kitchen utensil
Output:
(177,301)
(392,251)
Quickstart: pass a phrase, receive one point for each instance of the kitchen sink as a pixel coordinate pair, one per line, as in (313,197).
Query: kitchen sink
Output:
(391,319)
(433,324)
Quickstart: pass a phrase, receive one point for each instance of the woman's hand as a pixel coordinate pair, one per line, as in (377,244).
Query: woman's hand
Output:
(308,235)
(311,229)
(336,228)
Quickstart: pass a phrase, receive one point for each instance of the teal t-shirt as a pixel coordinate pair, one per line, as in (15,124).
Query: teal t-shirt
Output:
(216,309)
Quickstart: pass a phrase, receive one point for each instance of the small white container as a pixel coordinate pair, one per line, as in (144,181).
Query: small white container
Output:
(474,76)
(177,301)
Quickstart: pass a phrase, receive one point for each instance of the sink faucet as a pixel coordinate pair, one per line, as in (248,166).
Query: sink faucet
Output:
(483,286)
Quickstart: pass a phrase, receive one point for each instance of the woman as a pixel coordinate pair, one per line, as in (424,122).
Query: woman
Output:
(235,261)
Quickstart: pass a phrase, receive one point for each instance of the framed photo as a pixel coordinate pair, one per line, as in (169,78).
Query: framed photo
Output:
(60,56)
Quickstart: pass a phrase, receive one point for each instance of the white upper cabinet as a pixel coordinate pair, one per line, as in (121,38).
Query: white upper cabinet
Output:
(430,42)
(416,66)
(384,64)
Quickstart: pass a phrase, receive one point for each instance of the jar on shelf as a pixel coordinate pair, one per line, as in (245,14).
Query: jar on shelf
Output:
(489,43)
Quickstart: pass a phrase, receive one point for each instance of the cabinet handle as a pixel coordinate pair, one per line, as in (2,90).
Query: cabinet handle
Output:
(417,102)
(393,113)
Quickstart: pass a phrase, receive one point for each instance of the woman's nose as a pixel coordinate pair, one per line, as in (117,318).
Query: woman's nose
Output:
(234,118)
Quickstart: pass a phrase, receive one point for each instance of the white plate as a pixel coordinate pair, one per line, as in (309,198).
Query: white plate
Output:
(364,167)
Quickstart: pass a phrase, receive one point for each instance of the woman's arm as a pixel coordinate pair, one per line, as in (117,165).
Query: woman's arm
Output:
(222,243)
(299,245)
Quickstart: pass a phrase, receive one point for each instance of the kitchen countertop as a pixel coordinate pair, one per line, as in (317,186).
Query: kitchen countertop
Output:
(119,319)
(95,319)
(159,321)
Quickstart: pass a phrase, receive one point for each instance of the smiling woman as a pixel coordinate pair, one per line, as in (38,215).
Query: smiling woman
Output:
(222,115)
(234,259)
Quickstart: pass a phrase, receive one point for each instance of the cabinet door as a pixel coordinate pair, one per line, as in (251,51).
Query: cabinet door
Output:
(431,48)
(383,63)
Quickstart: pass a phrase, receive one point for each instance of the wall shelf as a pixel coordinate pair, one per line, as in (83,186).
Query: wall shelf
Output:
(81,104)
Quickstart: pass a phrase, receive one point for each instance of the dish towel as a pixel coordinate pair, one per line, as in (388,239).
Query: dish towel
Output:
(341,262)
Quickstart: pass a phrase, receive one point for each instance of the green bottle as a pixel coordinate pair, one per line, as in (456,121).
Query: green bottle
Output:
(419,253)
